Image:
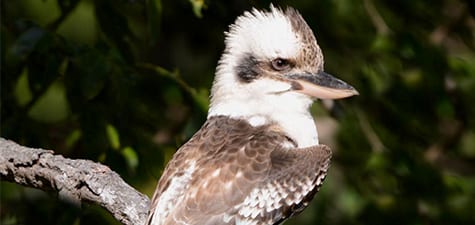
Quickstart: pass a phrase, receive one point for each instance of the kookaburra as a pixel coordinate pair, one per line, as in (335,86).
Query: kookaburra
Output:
(256,160)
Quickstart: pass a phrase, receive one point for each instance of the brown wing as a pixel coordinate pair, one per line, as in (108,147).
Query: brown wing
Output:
(295,178)
(242,175)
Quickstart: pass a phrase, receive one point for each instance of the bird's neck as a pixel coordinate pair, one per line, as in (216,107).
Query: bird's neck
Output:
(290,116)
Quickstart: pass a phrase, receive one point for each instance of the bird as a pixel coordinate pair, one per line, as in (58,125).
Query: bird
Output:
(257,159)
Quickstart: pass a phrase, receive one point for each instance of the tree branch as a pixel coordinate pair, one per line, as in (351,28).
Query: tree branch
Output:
(74,180)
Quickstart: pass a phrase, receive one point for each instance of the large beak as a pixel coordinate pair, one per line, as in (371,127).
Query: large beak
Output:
(321,85)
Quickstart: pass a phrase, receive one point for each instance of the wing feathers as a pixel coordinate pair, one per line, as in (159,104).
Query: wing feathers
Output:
(242,173)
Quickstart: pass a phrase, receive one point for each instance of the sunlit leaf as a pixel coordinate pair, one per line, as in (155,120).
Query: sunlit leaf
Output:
(73,138)
(198,6)
(113,136)
(130,157)
(52,106)
(22,89)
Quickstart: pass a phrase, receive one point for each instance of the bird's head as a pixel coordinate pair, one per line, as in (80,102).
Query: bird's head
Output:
(271,65)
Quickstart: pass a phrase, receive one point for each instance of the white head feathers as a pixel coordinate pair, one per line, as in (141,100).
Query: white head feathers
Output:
(265,34)
(254,40)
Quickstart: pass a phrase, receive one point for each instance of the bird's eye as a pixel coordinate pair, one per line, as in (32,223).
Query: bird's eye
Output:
(280,64)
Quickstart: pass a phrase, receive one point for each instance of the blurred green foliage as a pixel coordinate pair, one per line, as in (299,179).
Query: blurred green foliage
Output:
(125,82)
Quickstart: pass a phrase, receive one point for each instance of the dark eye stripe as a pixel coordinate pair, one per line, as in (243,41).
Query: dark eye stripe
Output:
(247,68)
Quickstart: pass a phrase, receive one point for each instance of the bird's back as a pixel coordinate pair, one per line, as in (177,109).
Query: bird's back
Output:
(230,172)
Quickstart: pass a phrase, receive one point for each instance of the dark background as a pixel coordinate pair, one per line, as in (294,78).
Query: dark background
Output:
(126,82)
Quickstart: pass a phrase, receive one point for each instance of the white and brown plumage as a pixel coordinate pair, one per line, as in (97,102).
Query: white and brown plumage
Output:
(256,160)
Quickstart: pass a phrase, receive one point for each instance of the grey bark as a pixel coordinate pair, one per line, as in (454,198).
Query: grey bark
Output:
(75,180)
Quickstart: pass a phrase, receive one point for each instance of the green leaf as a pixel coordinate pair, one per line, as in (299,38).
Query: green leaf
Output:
(130,157)
(154,13)
(22,89)
(116,27)
(467,144)
(52,106)
(351,202)
(44,62)
(26,43)
(66,5)
(200,97)
(86,76)
(73,138)
(198,5)
(113,136)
